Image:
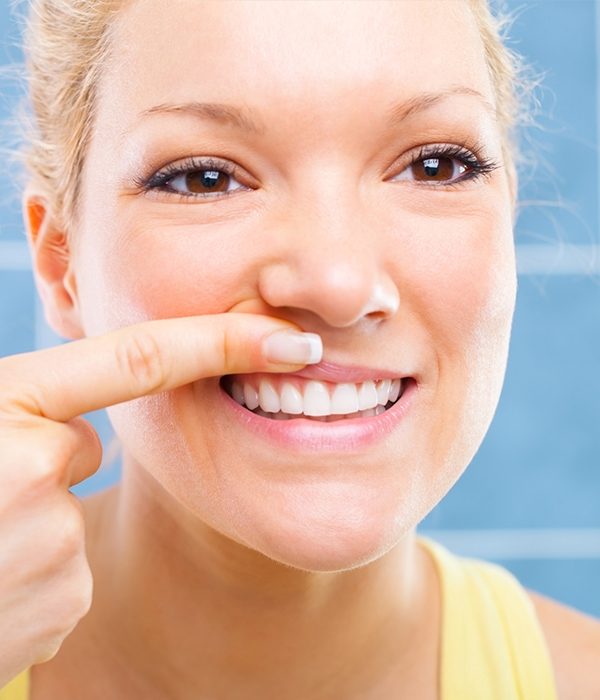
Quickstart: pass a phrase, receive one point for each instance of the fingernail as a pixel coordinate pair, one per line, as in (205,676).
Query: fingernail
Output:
(293,347)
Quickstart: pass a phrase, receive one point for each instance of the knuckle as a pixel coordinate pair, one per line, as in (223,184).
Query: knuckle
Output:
(51,639)
(229,349)
(48,650)
(20,389)
(42,475)
(70,534)
(140,360)
(72,603)
(50,460)
(18,398)
(80,600)
(86,592)
(239,350)
(65,604)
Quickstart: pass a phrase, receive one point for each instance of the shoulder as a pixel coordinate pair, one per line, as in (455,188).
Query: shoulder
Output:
(574,644)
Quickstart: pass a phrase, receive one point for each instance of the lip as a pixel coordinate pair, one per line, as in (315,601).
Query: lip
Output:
(330,372)
(303,435)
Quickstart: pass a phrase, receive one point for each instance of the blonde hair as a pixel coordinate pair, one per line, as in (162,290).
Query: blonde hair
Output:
(66,46)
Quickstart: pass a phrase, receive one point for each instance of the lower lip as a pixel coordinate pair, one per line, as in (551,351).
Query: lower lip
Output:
(305,435)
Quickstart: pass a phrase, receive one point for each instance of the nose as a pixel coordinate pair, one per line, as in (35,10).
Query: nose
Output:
(331,261)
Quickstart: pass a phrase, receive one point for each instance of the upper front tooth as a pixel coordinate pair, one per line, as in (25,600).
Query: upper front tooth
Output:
(291,399)
(367,396)
(344,399)
(268,397)
(383,391)
(316,399)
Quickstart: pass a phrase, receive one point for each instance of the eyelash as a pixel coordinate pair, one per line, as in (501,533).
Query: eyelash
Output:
(477,168)
(159,181)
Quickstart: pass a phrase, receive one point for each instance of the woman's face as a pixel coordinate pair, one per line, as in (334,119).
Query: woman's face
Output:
(370,123)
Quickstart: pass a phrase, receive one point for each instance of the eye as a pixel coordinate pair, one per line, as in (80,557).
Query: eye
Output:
(202,182)
(196,178)
(439,169)
(444,165)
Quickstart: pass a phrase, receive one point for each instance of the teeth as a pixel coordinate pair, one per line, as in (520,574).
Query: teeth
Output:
(367,396)
(344,399)
(237,391)
(291,399)
(395,390)
(383,391)
(318,399)
(250,397)
(268,397)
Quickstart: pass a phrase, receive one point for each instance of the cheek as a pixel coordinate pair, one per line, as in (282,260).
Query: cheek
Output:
(464,290)
(460,279)
(164,273)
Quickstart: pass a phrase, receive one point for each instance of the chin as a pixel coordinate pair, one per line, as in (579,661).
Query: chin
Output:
(319,540)
(326,555)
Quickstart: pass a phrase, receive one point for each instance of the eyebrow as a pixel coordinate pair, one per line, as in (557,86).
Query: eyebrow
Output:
(229,115)
(211,111)
(425,100)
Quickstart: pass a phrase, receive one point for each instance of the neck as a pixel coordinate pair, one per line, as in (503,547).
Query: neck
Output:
(196,614)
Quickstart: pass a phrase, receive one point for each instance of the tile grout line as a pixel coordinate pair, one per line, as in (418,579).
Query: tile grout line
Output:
(518,544)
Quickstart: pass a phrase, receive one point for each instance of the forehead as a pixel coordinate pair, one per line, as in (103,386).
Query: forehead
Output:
(289,52)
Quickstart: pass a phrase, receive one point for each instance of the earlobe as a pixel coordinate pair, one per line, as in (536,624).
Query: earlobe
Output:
(52,263)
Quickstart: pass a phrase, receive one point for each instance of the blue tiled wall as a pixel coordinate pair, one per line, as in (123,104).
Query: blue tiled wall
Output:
(537,475)
(531,497)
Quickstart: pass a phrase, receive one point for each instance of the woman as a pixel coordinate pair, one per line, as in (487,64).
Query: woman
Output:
(281,234)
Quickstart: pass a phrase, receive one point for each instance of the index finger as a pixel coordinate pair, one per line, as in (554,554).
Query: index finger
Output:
(85,375)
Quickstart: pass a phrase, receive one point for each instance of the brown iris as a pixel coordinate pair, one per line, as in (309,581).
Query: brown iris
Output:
(433,169)
(204,181)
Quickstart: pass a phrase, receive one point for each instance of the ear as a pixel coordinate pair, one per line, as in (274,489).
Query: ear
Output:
(52,262)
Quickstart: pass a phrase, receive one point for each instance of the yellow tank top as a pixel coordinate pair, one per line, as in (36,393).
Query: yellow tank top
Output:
(18,689)
(492,644)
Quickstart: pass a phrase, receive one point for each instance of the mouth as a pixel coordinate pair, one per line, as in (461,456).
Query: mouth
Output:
(291,397)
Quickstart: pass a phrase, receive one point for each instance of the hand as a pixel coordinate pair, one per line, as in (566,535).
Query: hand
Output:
(45,447)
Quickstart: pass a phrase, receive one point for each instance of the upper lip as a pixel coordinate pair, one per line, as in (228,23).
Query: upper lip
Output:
(331,372)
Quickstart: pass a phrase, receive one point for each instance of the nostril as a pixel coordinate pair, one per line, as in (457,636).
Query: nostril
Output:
(377,315)
(384,302)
